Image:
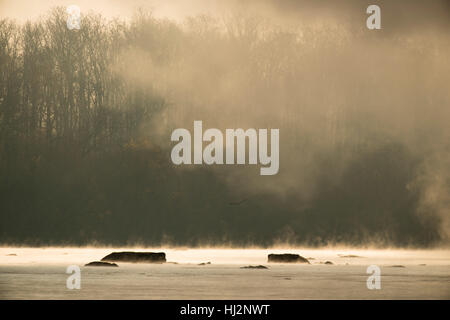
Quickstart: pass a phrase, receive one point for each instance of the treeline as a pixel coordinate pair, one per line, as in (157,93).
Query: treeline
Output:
(58,88)
(80,161)
(63,111)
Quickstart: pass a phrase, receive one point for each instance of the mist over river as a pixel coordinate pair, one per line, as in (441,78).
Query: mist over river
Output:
(40,273)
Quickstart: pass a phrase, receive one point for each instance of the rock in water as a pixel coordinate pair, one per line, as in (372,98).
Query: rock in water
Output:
(397,266)
(255,267)
(287,258)
(136,257)
(100,264)
(349,256)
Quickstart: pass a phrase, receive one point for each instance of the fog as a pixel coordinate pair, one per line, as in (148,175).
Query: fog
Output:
(363,118)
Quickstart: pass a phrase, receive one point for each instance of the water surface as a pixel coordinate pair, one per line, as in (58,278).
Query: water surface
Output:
(40,273)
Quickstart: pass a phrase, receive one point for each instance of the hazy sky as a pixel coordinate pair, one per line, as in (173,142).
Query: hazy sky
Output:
(174,9)
(404,14)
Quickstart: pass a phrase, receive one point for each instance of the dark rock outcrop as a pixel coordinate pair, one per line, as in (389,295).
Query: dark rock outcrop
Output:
(100,264)
(136,257)
(287,258)
(255,267)
(328,262)
(349,256)
(204,263)
(397,266)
